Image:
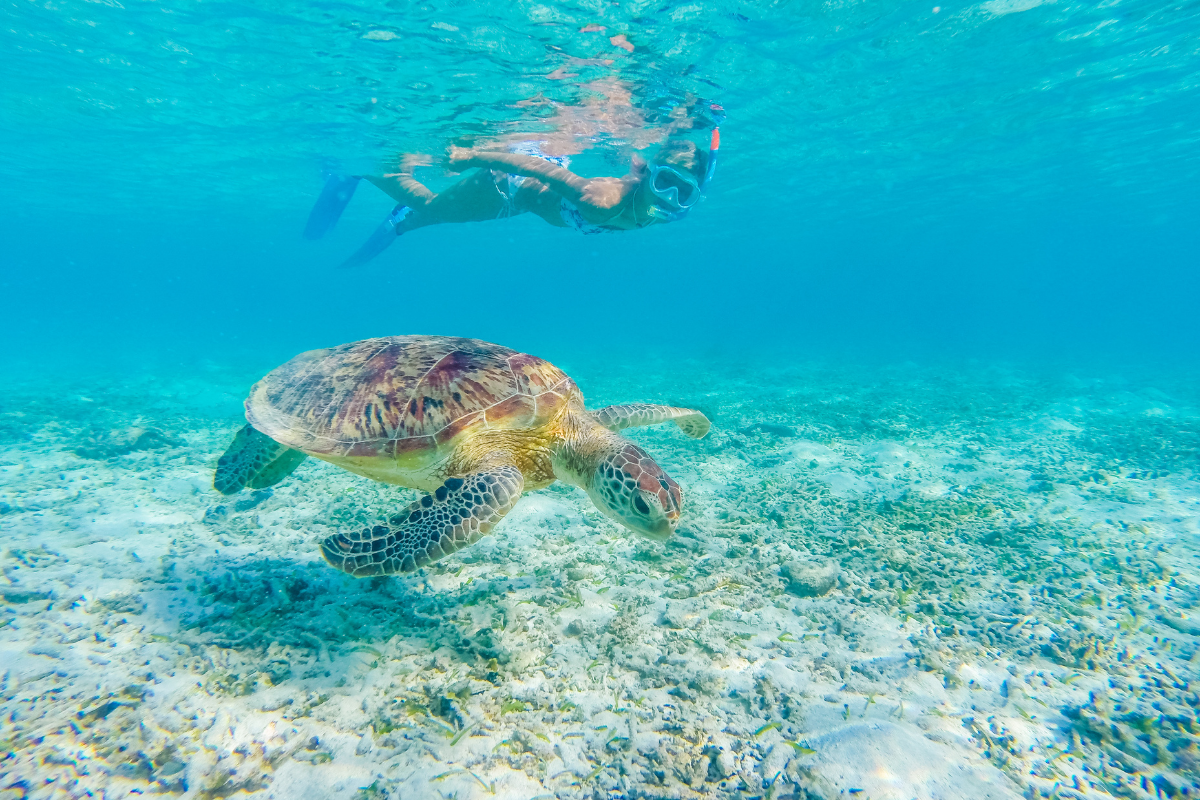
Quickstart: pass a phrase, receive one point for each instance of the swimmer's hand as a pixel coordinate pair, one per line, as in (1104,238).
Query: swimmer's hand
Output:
(460,158)
(603,192)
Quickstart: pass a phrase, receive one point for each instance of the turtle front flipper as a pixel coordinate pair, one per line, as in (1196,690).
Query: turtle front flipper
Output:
(635,415)
(460,512)
(256,460)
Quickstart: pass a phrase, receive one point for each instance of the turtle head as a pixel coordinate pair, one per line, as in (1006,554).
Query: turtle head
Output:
(630,488)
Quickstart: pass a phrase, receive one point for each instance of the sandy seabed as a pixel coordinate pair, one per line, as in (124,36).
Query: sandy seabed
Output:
(901,582)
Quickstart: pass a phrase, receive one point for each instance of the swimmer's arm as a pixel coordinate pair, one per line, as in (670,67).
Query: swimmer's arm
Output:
(561,180)
(602,194)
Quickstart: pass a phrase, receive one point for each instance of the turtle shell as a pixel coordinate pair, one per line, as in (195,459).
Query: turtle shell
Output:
(402,394)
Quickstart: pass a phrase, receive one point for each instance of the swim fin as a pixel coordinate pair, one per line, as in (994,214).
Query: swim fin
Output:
(379,241)
(330,205)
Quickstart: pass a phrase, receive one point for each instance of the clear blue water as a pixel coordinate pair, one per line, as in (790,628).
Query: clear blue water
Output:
(1004,178)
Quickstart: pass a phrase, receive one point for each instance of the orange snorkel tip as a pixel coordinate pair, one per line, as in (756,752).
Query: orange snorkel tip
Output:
(715,143)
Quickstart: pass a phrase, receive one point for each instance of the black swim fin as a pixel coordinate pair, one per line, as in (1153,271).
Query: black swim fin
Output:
(380,240)
(330,205)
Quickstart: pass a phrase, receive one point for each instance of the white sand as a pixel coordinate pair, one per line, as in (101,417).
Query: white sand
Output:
(1012,581)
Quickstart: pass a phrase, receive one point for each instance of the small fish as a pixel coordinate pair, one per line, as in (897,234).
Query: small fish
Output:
(767,727)
(509,706)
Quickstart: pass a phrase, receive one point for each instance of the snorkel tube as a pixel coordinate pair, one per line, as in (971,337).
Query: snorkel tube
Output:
(714,144)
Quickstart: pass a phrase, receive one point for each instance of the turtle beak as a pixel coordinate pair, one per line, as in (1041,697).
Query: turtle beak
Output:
(660,532)
(664,527)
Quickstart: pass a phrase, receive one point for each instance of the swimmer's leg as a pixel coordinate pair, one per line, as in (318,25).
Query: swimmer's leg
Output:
(473,199)
(411,194)
(402,188)
(383,236)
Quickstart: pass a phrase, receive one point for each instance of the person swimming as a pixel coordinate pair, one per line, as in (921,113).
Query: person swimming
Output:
(526,180)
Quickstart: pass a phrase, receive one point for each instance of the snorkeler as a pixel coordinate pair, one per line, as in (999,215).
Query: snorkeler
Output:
(526,180)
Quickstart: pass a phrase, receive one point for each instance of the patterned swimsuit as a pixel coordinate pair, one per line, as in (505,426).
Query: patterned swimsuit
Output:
(567,210)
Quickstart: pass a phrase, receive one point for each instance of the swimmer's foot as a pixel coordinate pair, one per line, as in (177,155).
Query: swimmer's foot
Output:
(380,240)
(330,205)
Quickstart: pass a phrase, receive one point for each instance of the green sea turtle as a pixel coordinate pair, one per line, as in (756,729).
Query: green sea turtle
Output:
(472,423)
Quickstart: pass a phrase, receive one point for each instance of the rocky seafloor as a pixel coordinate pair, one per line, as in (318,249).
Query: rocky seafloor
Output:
(899,582)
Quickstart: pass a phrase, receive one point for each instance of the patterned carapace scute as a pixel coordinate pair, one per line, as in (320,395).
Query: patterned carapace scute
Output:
(382,397)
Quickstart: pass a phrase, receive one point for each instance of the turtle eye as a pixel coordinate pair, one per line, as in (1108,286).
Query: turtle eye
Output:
(640,505)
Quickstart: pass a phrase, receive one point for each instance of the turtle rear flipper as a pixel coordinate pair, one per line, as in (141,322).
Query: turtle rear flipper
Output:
(460,512)
(277,470)
(255,460)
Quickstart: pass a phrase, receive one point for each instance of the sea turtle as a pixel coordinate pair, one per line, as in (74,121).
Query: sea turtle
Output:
(472,423)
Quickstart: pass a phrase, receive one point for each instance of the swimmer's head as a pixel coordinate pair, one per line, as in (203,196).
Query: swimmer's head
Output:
(685,156)
(675,179)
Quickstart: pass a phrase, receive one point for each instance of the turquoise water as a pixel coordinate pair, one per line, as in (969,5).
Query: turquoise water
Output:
(939,303)
(1007,177)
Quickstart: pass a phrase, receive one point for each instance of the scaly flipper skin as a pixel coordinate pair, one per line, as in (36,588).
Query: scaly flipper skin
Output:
(254,460)
(277,470)
(456,515)
(635,415)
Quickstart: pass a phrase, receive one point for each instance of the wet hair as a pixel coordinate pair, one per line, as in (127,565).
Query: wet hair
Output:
(685,155)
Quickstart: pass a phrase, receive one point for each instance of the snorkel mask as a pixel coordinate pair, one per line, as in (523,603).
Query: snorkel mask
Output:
(676,191)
